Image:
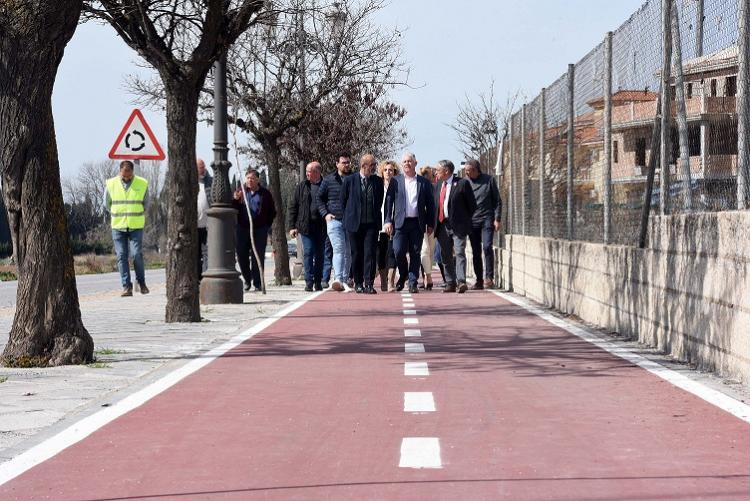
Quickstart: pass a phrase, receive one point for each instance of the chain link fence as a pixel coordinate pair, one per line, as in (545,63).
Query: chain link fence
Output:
(581,155)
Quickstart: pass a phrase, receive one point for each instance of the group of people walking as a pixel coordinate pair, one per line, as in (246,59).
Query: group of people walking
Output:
(392,222)
(386,220)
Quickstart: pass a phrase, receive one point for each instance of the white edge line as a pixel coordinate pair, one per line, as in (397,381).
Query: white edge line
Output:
(713,397)
(88,425)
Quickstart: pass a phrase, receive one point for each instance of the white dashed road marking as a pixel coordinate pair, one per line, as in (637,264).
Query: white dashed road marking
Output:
(419,401)
(410,312)
(414,348)
(412,333)
(411,321)
(416,369)
(420,452)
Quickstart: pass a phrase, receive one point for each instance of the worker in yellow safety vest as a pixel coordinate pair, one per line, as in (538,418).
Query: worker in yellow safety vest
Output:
(126,199)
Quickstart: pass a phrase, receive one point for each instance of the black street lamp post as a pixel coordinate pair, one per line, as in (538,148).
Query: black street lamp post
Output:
(221,282)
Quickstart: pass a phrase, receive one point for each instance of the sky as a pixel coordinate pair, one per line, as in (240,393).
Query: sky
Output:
(452,52)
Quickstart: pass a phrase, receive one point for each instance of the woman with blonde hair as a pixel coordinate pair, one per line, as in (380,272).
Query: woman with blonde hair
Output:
(428,242)
(386,257)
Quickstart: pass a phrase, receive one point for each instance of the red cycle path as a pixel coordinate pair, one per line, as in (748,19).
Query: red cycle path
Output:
(312,408)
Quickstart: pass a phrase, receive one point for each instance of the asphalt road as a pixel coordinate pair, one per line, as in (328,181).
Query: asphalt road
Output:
(87,285)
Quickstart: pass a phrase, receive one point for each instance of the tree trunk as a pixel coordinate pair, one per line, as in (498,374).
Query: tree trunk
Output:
(281,273)
(182,192)
(47,327)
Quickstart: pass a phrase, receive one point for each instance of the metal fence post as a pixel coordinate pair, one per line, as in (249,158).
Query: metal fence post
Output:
(524,159)
(666,107)
(682,124)
(571,150)
(542,126)
(512,181)
(608,138)
(743,107)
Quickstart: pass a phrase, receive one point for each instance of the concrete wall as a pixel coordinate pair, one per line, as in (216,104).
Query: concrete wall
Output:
(688,294)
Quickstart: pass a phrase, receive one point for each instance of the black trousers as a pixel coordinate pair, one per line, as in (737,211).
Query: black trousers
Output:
(364,246)
(386,256)
(202,239)
(480,239)
(249,266)
(408,240)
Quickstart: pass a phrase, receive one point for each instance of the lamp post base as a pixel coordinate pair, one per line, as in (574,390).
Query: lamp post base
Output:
(221,282)
(221,290)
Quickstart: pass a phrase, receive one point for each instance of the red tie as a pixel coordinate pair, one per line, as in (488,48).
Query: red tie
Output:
(443,190)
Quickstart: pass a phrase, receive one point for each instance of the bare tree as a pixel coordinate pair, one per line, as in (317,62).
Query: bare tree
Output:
(357,119)
(180,39)
(47,327)
(480,122)
(90,182)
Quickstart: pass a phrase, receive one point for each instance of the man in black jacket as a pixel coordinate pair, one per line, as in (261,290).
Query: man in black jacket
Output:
(329,207)
(455,207)
(484,223)
(361,199)
(263,211)
(304,218)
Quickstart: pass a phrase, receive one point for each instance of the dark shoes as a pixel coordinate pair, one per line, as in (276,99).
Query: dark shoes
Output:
(359,289)
(319,287)
(127,291)
(450,288)
(413,289)
(462,287)
(369,289)
(477,286)
(308,288)
(489,283)
(143,288)
(324,285)
(400,285)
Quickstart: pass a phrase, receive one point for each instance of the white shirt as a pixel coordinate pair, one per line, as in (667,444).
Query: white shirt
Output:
(411,196)
(447,195)
(202,205)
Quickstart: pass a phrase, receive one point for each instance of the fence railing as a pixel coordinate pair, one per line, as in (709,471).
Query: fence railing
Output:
(661,101)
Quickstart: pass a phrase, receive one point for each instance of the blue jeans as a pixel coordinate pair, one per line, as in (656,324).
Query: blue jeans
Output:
(408,239)
(314,244)
(327,259)
(342,255)
(131,240)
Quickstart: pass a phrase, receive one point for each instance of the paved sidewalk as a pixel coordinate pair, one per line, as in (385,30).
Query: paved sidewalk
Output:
(134,347)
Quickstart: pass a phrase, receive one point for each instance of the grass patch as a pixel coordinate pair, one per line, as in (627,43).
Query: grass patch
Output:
(98,365)
(7,276)
(109,351)
(88,264)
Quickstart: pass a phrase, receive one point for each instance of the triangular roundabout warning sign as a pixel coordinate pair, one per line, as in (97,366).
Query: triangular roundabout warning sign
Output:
(136,141)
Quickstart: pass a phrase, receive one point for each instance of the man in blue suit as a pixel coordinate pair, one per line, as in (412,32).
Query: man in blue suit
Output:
(414,215)
(361,199)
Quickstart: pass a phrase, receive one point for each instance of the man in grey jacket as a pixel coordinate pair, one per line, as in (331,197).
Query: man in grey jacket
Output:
(484,222)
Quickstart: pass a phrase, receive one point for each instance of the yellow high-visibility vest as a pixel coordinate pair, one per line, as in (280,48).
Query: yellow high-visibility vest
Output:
(127,205)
